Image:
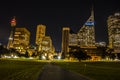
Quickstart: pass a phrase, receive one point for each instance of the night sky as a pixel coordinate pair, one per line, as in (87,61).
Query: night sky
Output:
(55,16)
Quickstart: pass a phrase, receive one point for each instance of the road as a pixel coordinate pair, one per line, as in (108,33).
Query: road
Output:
(53,72)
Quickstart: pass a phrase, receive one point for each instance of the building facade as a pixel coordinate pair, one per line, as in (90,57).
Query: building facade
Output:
(21,39)
(40,33)
(46,43)
(11,37)
(65,41)
(47,47)
(114,32)
(86,35)
(73,39)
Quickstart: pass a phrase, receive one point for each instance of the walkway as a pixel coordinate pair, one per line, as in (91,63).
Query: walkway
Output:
(53,72)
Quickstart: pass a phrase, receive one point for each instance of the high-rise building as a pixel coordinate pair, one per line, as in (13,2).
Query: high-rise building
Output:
(65,41)
(86,38)
(40,33)
(46,43)
(73,39)
(11,37)
(100,44)
(21,39)
(114,32)
(86,35)
(47,47)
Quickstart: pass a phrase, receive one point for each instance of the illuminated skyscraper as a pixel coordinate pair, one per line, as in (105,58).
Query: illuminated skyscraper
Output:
(86,35)
(46,43)
(47,47)
(65,41)
(21,39)
(10,42)
(40,33)
(73,39)
(114,32)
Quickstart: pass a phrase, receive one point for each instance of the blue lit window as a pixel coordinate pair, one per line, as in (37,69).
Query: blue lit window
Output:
(89,23)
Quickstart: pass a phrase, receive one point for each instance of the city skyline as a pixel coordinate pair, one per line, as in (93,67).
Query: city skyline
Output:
(55,17)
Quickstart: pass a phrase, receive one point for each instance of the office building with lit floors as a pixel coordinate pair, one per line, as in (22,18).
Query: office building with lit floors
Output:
(113,23)
(86,35)
(47,47)
(65,42)
(86,38)
(40,33)
(21,39)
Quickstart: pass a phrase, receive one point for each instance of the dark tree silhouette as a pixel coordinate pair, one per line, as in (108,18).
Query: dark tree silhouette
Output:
(80,55)
(3,50)
(26,54)
(76,52)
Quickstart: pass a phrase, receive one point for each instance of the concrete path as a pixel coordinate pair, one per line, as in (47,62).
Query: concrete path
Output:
(53,72)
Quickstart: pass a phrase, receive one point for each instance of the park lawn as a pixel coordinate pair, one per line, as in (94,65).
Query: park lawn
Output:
(94,70)
(20,69)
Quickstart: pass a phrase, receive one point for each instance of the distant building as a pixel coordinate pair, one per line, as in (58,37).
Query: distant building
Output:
(73,39)
(21,39)
(65,41)
(86,38)
(46,43)
(11,37)
(47,47)
(31,51)
(86,35)
(40,33)
(100,44)
(114,32)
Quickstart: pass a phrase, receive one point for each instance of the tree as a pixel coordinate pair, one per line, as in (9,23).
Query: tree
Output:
(76,52)
(3,50)
(26,54)
(110,54)
(80,55)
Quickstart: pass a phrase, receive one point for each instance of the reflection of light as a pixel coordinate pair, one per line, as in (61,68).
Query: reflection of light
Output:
(45,54)
(7,56)
(59,57)
(15,56)
(10,38)
(43,57)
(30,57)
(12,55)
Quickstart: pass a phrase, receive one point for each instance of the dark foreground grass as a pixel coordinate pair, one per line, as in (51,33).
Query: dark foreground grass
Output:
(94,70)
(20,69)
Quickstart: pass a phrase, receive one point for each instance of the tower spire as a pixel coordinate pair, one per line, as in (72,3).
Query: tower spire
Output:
(13,24)
(87,32)
(92,11)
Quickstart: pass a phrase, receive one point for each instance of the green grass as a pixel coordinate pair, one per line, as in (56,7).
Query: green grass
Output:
(94,70)
(20,69)
(30,69)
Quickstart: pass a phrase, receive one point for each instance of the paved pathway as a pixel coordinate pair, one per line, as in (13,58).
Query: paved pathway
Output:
(53,72)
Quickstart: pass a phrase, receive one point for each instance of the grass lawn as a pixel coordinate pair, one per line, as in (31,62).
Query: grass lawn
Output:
(20,69)
(94,70)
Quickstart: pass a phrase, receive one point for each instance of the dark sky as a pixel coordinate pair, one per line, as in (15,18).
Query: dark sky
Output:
(55,16)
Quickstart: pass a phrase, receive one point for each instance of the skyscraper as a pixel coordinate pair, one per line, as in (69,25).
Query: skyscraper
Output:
(10,42)
(86,35)
(65,41)
(46,43)
(73,39)
(21,39)
(86,38)
(47,47)
(114,32)
(40,33)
